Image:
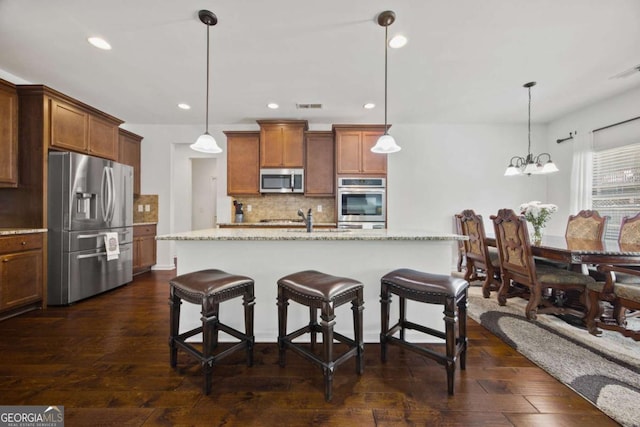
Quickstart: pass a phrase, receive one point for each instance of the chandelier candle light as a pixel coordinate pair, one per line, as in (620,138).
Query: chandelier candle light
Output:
(537,214)
(386,143)
(205,142)
(530,164)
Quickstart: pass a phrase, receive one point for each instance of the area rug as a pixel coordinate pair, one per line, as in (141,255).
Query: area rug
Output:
(605,370)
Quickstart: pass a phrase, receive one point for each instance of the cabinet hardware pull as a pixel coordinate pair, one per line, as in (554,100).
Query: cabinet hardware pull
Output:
(23,243)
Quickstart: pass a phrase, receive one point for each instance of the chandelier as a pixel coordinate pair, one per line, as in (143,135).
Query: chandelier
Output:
(530,164)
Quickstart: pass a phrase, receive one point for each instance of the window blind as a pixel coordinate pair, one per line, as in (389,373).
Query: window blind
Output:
(616,184)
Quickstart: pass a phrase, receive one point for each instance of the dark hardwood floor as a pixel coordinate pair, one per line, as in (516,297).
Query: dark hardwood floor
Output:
(106,360)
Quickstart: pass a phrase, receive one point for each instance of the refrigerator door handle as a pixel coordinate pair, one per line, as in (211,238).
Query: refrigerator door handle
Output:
(104,199)
(114,196)
(97,254)
(90,236)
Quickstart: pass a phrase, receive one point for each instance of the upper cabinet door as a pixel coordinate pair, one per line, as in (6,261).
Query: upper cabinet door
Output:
(372,163)
(353,150)
(271,146)
(349,152)
(243,152)
(129,154)
(103,138)
(319,167)
(69,127)
(8,135)
(282,143)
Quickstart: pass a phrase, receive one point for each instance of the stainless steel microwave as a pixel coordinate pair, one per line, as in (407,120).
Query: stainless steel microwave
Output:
(282,180)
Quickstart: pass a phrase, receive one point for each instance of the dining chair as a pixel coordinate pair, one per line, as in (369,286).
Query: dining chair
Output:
(622,289)
(482,263)
(586,224)
(518,266)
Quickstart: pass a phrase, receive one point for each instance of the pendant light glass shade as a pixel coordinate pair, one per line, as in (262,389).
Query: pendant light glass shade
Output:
(386,144)
(205,142)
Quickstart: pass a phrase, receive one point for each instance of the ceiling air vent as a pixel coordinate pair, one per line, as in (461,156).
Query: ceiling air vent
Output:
(309,106)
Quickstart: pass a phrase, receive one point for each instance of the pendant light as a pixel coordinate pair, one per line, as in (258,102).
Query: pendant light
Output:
(530,164)
(386,144)
(205,142)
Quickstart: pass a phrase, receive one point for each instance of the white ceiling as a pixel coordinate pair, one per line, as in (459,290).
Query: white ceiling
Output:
(466,60)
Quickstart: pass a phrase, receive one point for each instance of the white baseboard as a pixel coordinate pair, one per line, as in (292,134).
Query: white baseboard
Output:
(163,267)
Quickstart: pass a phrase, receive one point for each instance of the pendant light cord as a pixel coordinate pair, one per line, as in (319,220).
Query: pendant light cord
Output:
(386,30)
(529,128)
(207,106)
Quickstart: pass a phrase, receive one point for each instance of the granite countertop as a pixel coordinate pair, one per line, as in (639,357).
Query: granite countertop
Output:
(273,224)
(12,231)
(144,223)
(301,234)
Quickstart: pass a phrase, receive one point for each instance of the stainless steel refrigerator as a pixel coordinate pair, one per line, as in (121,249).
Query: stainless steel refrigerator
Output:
(89,198)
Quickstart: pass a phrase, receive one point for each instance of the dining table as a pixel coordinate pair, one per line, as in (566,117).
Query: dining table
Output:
(582,252)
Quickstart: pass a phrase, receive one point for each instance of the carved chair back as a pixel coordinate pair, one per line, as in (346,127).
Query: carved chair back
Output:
(630,230)
(514,249)
(586,224)
(475,248)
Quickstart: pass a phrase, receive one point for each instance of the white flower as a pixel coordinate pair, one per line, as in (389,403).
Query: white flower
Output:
(537,213)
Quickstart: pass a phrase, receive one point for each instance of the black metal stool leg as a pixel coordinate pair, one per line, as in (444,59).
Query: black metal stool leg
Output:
(282,325)
(357,305)
(385,301)
(327,321)
(209,337)
(462,334)
(450,332)
(249,301)
(174,324)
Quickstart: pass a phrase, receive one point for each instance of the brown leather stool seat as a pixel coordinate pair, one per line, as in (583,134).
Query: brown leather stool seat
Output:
(325,292)
(209,288)
(431,289)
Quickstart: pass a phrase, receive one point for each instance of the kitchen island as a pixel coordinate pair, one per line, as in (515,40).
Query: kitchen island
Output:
(268,254)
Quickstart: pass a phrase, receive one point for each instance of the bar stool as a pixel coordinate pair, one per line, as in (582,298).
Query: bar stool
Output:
(431,289)
(209,288)
(325,292)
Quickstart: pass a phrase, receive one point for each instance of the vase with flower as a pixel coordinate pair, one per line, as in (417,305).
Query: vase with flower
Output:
(537,214)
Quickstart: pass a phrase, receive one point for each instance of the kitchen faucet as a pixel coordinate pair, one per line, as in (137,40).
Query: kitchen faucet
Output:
(308,220)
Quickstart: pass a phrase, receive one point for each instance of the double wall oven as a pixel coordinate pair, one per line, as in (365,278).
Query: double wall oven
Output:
(362,202)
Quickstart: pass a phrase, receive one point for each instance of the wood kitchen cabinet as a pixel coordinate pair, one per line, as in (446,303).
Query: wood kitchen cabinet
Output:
(319,167)
(75,128)
(129,145)
(243,163)
(49,120)
(282,143)
(353,150)
(8,135)
(68,124)
(22,285)
(144,247)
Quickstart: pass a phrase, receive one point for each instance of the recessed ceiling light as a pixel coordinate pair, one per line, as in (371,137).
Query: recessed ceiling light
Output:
(99,43)
(397,41)
(184,106)
(369,105)
(273,105)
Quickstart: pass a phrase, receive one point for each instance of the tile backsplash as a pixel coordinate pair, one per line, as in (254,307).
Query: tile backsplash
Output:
(285,206)
(145,208)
